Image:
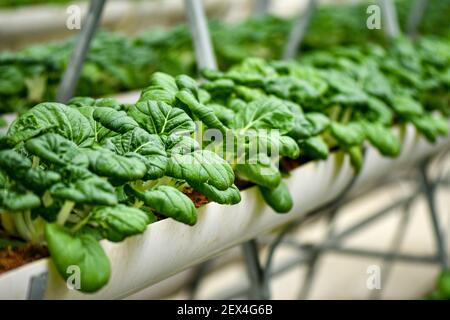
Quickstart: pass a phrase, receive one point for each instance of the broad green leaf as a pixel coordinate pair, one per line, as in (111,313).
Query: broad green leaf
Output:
(375,83)
(406,106)
(117,121)
(264,141)
(212,74)
(149,146)
(229,196)
(288,147)
(281,87)
(202,112)
(176,144)
(268,113)
(248,94)
(19,168)
(14,163)
(169,202)
(106,163)
(349,99)
(108,103)
(224,114)
(344,85)
(119,222)
(315,148)
(279,198)
(382,113)
(15,201)
(382,138)
(319,122)
(201,166)
(261,171)
(162,88)
(303,128)
(350,134)
(81,186)
(255,65)
(218,88)
(83,251)
(55,149)
(185,82)
(236,105)
(40,180)
(100,131)
(81,102)
(160,118)
(54,117)
(203,96)
(164,80)
(431,126)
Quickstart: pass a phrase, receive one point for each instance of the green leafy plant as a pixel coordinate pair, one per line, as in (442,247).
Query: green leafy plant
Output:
(74,174)
(33,74)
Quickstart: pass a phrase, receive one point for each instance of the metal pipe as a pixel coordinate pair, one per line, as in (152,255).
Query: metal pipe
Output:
(261,7)
(439,236)
(259,288)
(298,31)
(204,53)
(383,254)
(389,16)
(367,221)
(72,74)
(415,17)
(316,253)
(388,260)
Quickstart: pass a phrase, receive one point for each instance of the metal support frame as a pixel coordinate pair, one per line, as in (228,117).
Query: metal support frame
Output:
(310,252)
(251,251)
(390,19)
(204,53)
(310,274)
(430,190)
(389,258)
(261,7)
(259,284)
(72,73)
(38,284)
(298,31)
(199,272)
(415,17)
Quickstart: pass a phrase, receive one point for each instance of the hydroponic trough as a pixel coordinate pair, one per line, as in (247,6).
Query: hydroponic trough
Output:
(168,247)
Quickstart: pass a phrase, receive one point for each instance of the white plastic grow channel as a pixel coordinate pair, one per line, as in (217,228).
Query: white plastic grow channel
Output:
(169,247)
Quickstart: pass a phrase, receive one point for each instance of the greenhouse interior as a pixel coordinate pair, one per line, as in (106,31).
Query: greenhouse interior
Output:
(224,150)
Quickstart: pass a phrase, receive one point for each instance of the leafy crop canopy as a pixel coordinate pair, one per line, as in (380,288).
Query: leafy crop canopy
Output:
(52,117)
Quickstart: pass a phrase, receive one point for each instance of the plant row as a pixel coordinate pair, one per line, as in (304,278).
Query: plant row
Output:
(116,63)
(72,175)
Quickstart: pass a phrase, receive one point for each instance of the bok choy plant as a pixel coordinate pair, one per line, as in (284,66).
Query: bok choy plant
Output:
(72,175)
(343,97)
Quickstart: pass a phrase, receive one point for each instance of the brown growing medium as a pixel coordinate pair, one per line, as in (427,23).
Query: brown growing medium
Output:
(11,258)
(197,198)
